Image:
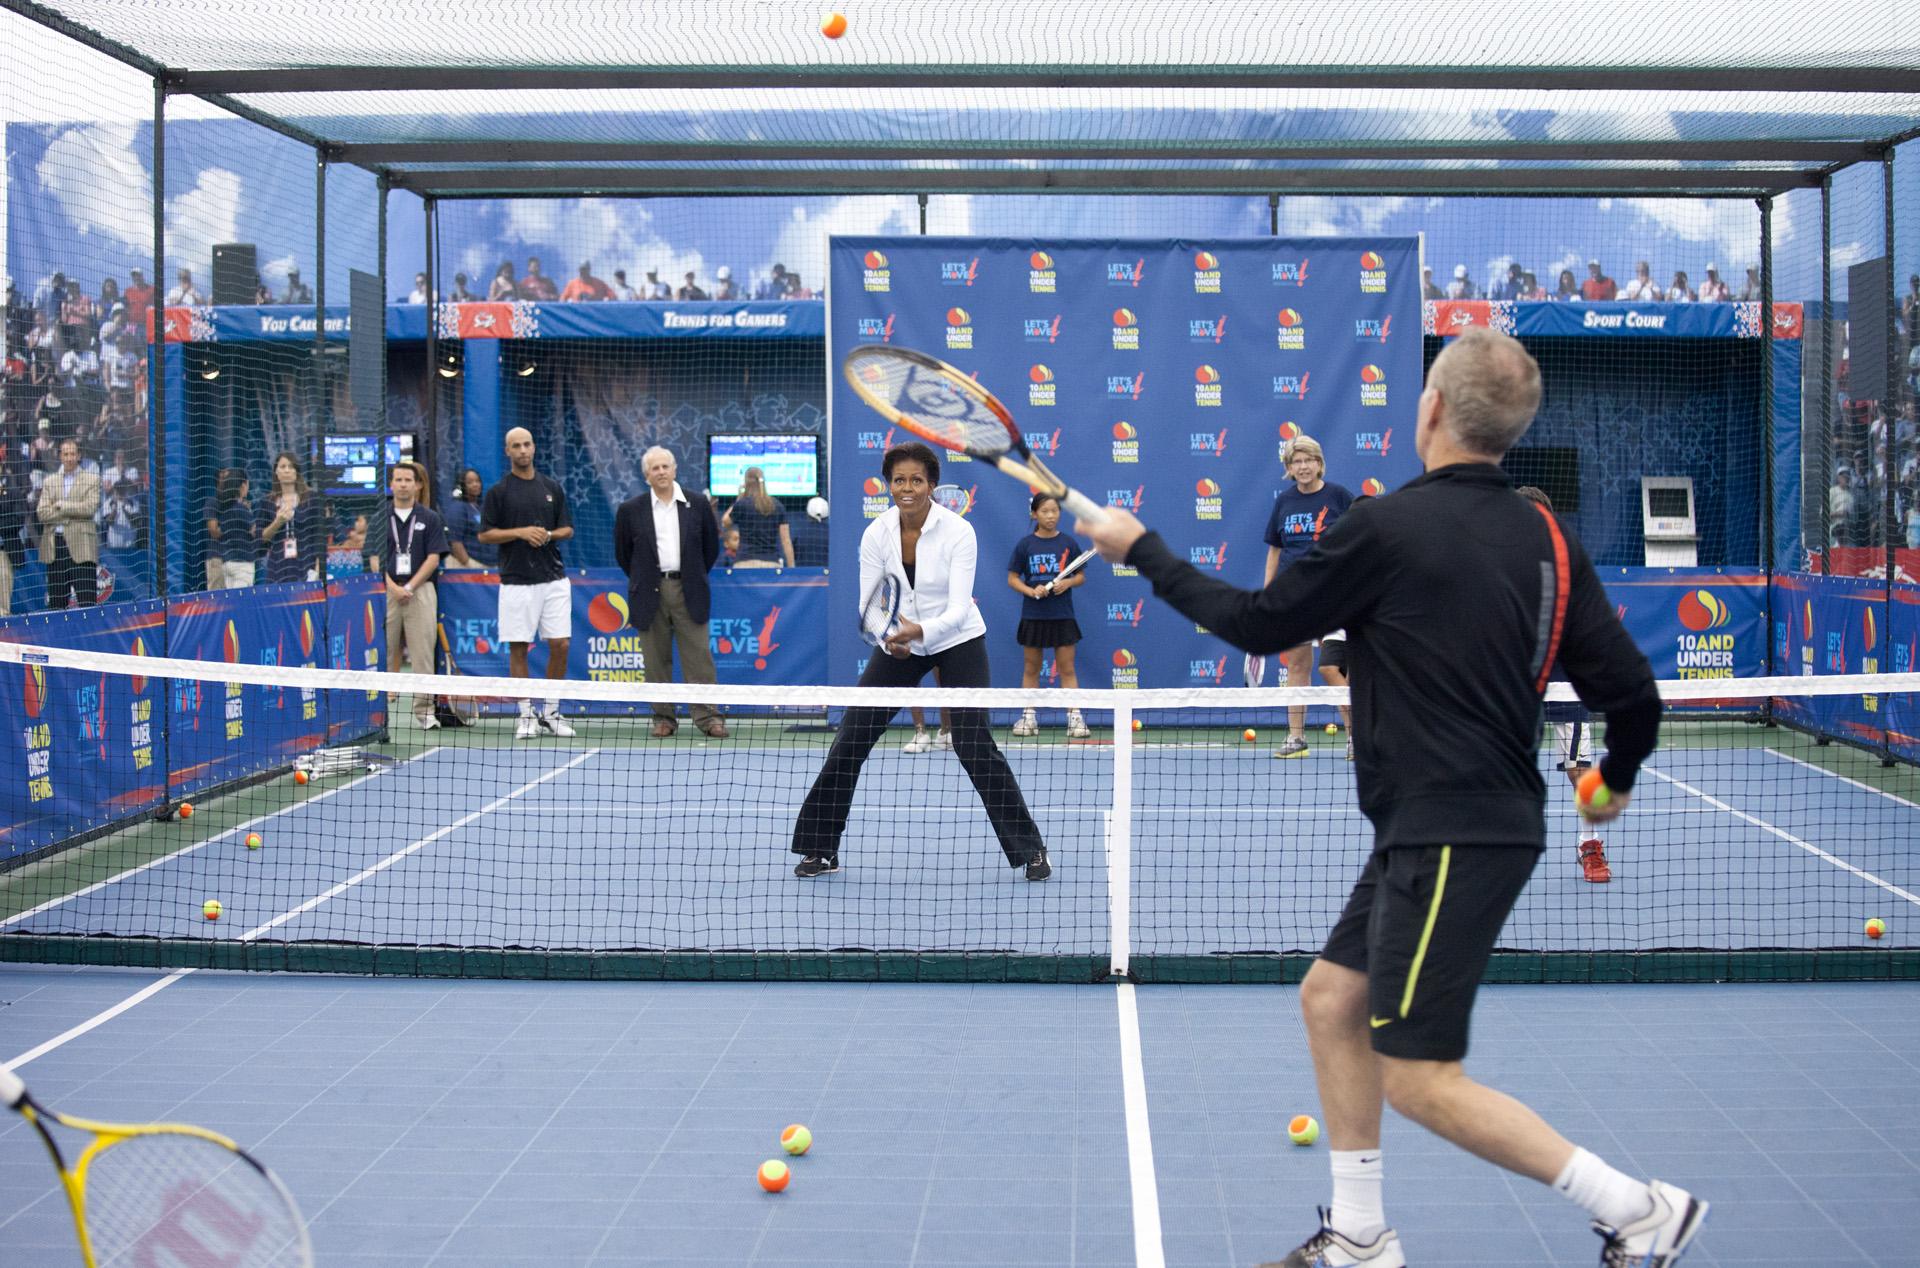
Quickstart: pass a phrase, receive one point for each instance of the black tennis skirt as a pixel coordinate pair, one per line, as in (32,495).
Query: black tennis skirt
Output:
(1048,633)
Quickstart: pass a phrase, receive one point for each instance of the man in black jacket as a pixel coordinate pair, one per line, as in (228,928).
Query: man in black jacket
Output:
(666,541)
(1457,596)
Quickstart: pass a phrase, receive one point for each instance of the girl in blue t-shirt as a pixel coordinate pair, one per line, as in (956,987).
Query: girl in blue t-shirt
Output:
(1046,615)
(1302,514)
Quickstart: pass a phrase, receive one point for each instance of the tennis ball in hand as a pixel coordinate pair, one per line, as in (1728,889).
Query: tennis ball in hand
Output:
(253,841)
(1303,1130)
(1876,928)
(796,1140)
(1592,793)
(211,909)
(774,1175)
(833,26)
(1248,735)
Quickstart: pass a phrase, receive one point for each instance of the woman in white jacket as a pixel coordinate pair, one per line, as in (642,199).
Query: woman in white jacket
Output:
(932,552)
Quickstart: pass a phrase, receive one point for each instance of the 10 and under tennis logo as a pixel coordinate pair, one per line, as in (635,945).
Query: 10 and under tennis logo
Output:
(1701,653)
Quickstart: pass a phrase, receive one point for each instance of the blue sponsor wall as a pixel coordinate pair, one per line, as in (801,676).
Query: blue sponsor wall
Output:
(1159,374)
(1846,625)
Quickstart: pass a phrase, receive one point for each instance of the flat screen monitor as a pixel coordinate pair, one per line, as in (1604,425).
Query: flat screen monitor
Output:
(358,464)
(790,460)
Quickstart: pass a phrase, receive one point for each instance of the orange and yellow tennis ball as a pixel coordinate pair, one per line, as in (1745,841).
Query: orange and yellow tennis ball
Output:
(211,909)
(186,810)
(1876,928)
(1303,1130)
(833,26)
(1249,735)
(796,1140)
(1138,725)
(301,777)
(1333,728)
(774,1175)
(1592,793)
(253,841)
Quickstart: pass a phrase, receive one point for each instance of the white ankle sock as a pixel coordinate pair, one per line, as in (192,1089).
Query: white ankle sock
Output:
(1610,1196)
(1589,832)
(1357,1211)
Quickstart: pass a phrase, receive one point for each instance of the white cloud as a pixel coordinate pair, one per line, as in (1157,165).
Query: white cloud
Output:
(97,178)
(206,214)
(613,233)
(802,244)
(1725,231)
(1318,216)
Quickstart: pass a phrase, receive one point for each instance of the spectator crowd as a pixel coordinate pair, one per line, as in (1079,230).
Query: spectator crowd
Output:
(1518,284)
(534,285)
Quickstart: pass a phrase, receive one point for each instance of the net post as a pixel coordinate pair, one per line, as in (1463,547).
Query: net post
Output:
(1120,847)
(1826,376)
(1767,545)
(923,215)
(1889,510)
(159,515)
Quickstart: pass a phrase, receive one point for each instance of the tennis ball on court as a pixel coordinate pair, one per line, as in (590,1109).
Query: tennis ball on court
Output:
(833,26)
(1591,792)
(1333,728)
(186,810)
(253,841)
(774,1175)
(796,1140)
(301,777)
(1876,928)
(1303,1130)
(1138,725)
(1248,735)
(211,909)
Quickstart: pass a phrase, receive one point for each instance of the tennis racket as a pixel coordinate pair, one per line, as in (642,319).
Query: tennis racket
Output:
(1079,560)
(941,405)
(954,498)
(880,611)
(165,1193)
(1254,670)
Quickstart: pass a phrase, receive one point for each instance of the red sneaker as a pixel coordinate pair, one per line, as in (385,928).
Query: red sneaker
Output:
(1593,863)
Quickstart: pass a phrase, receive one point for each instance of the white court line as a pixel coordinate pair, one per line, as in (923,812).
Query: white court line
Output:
(1147,1249)
(1843,779)
(147,992)
(1784,835)
(198,845)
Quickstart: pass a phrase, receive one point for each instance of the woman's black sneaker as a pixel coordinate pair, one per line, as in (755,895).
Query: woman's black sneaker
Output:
(817,865)
(1038,869)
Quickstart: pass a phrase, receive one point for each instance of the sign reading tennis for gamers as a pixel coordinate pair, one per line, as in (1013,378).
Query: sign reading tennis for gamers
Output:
(1162,375)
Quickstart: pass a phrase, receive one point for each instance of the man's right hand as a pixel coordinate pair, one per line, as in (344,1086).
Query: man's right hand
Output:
(535,534)
(1116,536)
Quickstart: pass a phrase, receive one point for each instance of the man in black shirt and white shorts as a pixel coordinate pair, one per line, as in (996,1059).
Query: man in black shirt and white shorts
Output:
(1457,595)
(525,514)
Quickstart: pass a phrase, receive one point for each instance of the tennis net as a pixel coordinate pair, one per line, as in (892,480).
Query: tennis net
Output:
(338,835)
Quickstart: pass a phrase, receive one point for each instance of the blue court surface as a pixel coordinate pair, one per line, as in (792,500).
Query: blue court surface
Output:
(671,847)
(497,1124)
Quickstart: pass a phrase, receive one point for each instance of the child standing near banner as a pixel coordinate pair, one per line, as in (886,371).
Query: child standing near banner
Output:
(1046,616)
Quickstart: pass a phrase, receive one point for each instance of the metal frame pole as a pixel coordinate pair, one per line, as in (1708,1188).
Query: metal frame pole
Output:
(1768,545)
(1825,458)
(1888,512)
(157,517)
(923,214)
(323,398)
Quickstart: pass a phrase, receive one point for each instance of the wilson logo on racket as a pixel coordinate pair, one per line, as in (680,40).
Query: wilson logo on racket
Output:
(1126,443)
(1206,273)
(1292,334)
(1291,387)
(1287,273)
(957,273)
(1373,385)
(1040,277)
(1373,274)
(1119,274)
(1207,330)
(1125,386)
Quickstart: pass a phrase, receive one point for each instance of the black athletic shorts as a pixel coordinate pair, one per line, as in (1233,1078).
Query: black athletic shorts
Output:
(1421,924)
(1333,654)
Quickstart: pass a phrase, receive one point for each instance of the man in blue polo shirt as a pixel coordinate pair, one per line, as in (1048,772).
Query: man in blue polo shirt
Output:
(416,541)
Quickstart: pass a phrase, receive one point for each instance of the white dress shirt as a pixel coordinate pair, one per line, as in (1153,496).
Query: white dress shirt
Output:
(940,599)
(666,526)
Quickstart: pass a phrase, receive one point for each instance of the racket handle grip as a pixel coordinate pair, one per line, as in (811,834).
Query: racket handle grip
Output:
(12,1090)
(1085,507)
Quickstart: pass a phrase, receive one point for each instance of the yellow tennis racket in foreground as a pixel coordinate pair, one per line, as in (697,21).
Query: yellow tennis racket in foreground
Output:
(938,403)
(165,1195)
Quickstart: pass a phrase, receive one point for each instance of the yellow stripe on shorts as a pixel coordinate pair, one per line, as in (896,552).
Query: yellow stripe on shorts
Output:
(1426,934)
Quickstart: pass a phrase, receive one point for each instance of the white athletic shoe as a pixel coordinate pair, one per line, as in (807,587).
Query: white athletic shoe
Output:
(1076,725)
(426,722)
(1328,1249)
(1657,1238)
(920,742)
(943,742)
(557,725)
(528,728)
(1028,724)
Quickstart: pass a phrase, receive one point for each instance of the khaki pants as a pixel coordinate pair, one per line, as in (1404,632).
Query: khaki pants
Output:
(674,626)
(419,622)
(6,584)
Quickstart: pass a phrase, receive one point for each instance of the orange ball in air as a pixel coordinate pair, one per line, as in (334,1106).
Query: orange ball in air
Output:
(833,26)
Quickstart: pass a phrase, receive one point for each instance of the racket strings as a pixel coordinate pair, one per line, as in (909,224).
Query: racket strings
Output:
(165,1198)
(942,406)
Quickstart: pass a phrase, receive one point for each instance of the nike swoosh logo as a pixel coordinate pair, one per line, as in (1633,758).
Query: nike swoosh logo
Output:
(1378,1022)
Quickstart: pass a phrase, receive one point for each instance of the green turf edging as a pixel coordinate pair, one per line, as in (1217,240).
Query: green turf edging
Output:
(853,965)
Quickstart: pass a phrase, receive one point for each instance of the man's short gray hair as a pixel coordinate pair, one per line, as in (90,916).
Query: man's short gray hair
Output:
(647,457)
(1490,385)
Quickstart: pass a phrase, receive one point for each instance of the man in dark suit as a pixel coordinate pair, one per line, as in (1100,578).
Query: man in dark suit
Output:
(666,541)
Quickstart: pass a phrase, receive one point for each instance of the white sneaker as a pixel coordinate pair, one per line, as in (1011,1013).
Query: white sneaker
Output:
(1028,724)
(528,728)
(1076,725)
(557,725)
(427,722)
(920,742)
(1657,1238)
(943,742)
(1328,1249)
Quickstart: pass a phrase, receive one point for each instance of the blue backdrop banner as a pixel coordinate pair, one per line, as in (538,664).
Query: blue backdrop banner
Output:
(1162,375)
(1844,625)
